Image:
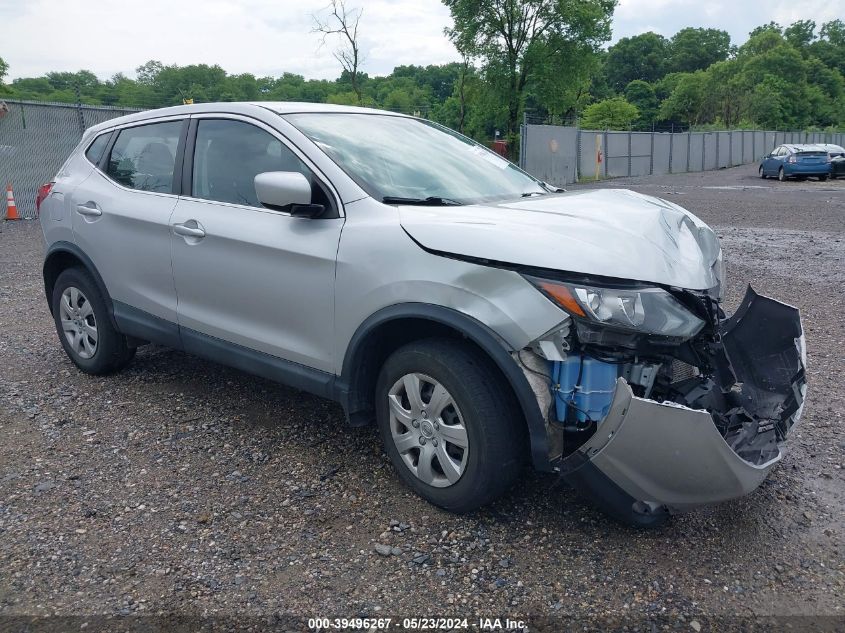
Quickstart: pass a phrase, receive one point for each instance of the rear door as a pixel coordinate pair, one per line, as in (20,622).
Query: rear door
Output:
(770,163)
(121,216)
(255,277)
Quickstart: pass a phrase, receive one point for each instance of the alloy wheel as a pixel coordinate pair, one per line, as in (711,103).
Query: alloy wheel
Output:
(428,430)
(78,322)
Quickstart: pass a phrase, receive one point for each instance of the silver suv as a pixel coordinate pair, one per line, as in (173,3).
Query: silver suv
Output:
(481,317)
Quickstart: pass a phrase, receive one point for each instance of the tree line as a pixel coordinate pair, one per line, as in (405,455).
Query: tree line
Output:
(543,57)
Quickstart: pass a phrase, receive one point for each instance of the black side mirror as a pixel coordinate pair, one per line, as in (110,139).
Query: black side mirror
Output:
(308,211)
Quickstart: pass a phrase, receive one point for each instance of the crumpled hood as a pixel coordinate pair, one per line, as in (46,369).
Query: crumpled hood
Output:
(608,232)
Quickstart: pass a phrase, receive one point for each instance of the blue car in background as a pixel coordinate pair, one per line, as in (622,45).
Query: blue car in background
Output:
(796,161)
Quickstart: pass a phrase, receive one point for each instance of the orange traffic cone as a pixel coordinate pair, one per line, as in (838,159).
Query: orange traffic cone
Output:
(11,208)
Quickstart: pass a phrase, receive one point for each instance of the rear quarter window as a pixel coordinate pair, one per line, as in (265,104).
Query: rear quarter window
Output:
(95,151)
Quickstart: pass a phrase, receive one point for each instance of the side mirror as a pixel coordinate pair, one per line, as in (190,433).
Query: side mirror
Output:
(287,191)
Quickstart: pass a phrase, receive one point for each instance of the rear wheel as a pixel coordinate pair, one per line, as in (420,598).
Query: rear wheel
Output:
(449,423)
(781,175)
(762,173)
(84,327)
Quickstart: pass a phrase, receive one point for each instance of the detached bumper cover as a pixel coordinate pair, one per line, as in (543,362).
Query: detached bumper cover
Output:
(648,457)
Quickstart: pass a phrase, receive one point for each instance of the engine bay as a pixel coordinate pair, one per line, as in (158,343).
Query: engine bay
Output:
(746,371)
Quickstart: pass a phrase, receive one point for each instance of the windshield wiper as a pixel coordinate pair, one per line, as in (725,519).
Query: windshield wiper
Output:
(430,201)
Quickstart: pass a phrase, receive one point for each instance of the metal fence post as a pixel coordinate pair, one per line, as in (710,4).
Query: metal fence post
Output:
(703,152)
(730,148)
(651,155)
(630,134)
(578,155)
(671,150)
(689,147)
(606,159)
(717,149)
(79,111)
(521,161)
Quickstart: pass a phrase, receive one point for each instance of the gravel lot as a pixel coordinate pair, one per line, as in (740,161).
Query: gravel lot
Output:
(181,488)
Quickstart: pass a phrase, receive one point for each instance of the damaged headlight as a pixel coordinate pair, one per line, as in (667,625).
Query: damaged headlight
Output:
(646,310)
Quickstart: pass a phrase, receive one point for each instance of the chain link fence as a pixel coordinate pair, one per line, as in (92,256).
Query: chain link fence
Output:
(36,138)
(561,155)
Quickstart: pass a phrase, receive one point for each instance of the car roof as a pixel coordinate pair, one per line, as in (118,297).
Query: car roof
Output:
(238,107)
(830,147)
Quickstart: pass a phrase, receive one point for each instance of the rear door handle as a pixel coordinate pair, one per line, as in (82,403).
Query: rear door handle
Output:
(188,231)
(92,212)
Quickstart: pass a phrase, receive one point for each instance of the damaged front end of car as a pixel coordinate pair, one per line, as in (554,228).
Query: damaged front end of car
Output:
(656,401)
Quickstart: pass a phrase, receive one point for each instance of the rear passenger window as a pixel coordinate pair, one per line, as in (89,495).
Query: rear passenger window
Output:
(95,151)
(228,156)
(144,157)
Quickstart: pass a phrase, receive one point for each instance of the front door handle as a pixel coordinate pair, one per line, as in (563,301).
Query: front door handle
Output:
(189,231)
(92,212)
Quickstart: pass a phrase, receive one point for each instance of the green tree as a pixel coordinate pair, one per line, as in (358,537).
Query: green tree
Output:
(771,27)
(4,68)
(801,33)
(641,94)
(514,39)
(696,49)
(685,103)
(643,57)
(830,47)
(615,114)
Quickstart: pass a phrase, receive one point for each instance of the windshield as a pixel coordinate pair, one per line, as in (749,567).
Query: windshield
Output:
(401,160)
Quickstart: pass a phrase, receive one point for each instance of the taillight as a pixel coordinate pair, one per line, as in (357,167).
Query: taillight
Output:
(43,191)
(792,159)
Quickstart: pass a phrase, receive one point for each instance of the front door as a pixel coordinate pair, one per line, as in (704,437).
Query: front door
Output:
(244,274)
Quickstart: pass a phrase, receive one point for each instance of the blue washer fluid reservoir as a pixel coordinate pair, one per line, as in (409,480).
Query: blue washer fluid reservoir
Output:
(584,384)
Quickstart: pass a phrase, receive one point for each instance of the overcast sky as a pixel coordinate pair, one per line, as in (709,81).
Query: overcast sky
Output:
(268,37)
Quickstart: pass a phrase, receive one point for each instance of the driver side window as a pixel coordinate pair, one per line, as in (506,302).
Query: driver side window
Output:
(229,154)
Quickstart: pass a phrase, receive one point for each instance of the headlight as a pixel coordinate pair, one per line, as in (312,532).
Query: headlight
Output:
(646,310)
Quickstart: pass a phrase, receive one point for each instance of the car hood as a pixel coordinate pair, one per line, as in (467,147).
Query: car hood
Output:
(607,232)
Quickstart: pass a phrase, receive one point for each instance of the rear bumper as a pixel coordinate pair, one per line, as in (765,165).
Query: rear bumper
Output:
(797,169)
(648,458)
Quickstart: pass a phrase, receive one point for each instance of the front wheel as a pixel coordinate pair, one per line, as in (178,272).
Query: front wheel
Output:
(449,423)
(822,178)
(84,327)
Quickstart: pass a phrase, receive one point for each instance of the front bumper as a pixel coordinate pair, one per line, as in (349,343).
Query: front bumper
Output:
(648,458)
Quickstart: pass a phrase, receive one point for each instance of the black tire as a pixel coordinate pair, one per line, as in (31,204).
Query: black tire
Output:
(781,175)
(762,175)
(112,353)
(495,427)
(822,178)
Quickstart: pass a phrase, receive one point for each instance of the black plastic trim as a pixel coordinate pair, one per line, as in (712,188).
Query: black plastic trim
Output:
(346,390)
(145,326)
(178,175)
(298,376)
(188,159)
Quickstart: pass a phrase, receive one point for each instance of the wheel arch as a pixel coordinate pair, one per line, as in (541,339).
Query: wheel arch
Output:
(390,328)
(63,255)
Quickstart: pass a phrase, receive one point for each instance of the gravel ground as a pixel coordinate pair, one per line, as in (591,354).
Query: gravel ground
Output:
(181,488)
